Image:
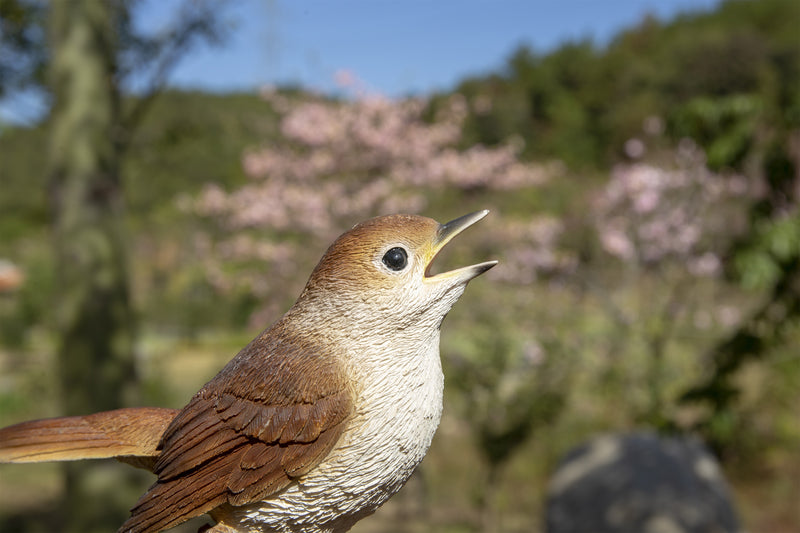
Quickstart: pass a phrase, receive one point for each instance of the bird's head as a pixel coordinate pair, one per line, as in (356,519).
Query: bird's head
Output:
(381,270)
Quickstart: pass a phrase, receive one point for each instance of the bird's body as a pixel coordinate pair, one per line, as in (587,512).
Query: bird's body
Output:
(388,434)
(316,422)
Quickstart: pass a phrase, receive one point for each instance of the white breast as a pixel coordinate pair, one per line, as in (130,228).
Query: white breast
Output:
(398,410)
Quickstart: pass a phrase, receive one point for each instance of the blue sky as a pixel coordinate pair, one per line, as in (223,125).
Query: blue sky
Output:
(396,47)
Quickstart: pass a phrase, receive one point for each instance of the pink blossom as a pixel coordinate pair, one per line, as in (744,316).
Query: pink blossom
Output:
(651,214)
(338,162)
(634,148)
(706,265)
(616,243)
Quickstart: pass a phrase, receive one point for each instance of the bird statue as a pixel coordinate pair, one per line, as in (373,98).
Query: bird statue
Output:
(317,421)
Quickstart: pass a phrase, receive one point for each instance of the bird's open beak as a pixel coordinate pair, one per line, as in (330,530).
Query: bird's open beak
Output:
(445,235)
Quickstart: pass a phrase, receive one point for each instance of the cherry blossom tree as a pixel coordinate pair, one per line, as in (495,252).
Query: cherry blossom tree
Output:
(340,161)
(650,215)
(668,221)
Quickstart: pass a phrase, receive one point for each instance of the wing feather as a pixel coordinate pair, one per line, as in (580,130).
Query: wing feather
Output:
(261,422)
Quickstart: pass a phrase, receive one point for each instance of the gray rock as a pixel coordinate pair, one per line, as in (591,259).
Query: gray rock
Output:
(639,483)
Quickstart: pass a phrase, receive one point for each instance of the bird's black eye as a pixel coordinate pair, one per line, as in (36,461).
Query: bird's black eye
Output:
(395,259)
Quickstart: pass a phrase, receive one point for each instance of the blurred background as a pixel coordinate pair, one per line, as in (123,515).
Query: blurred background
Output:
(170,172)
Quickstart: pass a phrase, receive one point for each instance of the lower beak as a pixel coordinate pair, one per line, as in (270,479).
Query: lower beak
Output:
(445,235)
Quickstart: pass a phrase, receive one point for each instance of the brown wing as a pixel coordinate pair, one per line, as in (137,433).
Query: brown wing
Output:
(262,421)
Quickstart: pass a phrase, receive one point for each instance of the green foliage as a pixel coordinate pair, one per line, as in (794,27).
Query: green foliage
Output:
(580,102)
(726,126)
(190,139)
(728,80)
(512,386)
(22,44)
(775,243)
(23,202)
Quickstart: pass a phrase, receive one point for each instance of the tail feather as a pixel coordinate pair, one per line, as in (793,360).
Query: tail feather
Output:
(131,435)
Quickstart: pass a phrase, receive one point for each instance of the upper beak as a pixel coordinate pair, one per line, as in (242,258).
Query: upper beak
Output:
(445,235)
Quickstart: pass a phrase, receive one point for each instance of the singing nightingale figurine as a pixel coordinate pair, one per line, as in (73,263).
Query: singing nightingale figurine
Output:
(315,423)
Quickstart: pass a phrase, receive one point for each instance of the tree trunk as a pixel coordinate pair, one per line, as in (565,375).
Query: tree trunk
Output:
(94,318)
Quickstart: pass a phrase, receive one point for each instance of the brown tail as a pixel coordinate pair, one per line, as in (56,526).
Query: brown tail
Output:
(131,435)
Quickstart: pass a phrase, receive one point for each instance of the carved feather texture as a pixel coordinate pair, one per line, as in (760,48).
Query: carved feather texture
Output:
(268,417)
(133,432)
